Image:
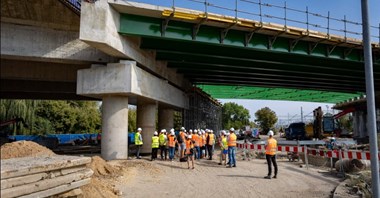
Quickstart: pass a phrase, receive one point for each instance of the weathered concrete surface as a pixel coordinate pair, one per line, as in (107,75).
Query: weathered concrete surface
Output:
(165,118)
(128,80)
(146,119)
(36,43)
(114,127)
(31,165)
(99,28)
(43,13)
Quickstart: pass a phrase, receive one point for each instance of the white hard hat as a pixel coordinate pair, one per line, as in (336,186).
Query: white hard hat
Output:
(228,133)
(189,136)
(172,133)
(203,132)
(172,130)
(270,133)
(162,130)
(155,133)
(232,129)
(223,132)
(195,131)
(182,128)
(139,129)
(190,130)
(199,133)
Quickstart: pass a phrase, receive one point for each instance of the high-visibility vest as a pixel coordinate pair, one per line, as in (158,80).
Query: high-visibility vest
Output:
(200,140)
(271,147)
(155,142)
(137,139)
(232,140)
(204,140)
(182,134)
(171,140)
(189,145)
(162,140)
(224,143)
(211,139)
(195,138)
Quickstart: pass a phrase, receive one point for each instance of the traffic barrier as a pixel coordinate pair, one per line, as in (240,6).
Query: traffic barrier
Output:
(360,155)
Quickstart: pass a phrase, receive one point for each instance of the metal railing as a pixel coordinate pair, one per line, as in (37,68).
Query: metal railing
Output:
(281,14)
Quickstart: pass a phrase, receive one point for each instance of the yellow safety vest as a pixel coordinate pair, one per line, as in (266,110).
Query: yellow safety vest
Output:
(154,142)
(271,147)
(211,139)
(224,143)
(232,140)
(162,140)
(137,139)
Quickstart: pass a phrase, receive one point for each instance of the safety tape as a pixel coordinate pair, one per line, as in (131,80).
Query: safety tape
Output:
(360,155)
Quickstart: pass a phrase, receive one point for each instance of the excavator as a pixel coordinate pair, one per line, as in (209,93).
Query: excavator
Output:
(5,130)
(328,124)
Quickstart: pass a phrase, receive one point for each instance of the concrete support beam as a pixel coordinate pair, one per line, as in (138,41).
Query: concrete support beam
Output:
(165,118)
(42,44)
(146,119)
(114,128)
(127,79)
(99,28)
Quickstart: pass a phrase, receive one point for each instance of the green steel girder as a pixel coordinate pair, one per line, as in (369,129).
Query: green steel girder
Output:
(152,27)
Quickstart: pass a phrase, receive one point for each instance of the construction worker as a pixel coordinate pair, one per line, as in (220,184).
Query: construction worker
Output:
(270,154)
(203,144)
(231,141)
(155,145)
(223,148)
(162,138)
(181,142)
(210,143)
(138,142)
(172,141)
(189,151)
(195,138)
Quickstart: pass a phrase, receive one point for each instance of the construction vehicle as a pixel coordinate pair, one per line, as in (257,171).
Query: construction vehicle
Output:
(326,125)
(295,131)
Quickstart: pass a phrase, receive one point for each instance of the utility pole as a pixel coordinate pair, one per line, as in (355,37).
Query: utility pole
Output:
(301,115)
(371,114)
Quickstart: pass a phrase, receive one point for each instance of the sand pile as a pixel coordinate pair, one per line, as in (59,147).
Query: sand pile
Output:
(102,180)
(23,149)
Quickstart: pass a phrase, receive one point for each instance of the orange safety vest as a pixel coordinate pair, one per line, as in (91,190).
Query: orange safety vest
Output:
(182,134)
(200,140)
(171,141)
(195,139)
(204,140)
(271,147)
(189,145)
(211,139)
(232,140)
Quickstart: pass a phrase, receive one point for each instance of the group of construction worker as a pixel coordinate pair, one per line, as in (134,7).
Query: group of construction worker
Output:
(197,144)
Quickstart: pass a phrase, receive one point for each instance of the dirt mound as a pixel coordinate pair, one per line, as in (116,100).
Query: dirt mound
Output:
(99,188)
(100,167)
(23,149)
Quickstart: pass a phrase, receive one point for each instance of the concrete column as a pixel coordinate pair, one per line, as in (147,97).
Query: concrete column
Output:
(146,119)
(165,119)
(114,127)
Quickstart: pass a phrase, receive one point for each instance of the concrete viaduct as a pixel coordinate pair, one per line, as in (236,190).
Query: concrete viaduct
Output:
(49,50)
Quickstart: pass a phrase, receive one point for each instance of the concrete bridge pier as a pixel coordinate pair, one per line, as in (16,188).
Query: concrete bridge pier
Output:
(114,127)
(146,119)
(165,118)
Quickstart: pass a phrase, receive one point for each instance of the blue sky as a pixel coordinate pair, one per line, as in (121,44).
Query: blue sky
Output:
(338,9)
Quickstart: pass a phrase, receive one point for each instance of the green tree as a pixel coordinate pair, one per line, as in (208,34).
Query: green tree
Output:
(234,115)
(265,118)
(132,117)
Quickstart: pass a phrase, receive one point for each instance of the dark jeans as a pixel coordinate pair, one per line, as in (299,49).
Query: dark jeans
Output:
(171,152)
(209,150)
(271,159)
(138,147)
(198,153)
(154,153)
(164,151)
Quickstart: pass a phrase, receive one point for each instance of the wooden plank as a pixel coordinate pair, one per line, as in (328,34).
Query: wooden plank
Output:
(30,165)
(46,184)
(58,189)
(18,181)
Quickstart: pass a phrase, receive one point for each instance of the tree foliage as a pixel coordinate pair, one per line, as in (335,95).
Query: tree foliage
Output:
(265,118)
(234,115)
(132,119)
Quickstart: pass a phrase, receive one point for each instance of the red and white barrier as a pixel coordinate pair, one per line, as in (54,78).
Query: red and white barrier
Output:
(360,155)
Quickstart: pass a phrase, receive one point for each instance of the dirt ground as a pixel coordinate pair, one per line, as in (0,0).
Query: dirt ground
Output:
(144,178)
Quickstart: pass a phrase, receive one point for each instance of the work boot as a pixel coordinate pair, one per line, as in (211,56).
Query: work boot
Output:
(267,177)
(275,176)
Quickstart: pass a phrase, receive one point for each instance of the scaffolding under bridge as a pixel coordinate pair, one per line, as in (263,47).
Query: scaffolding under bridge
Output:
(204,111)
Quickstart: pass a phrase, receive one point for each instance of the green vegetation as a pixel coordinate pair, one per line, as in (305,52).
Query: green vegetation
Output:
(234,115)
(48,116)
(265,118)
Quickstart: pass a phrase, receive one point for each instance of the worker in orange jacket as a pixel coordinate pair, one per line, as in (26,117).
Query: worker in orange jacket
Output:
(270,154)
(189,151)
